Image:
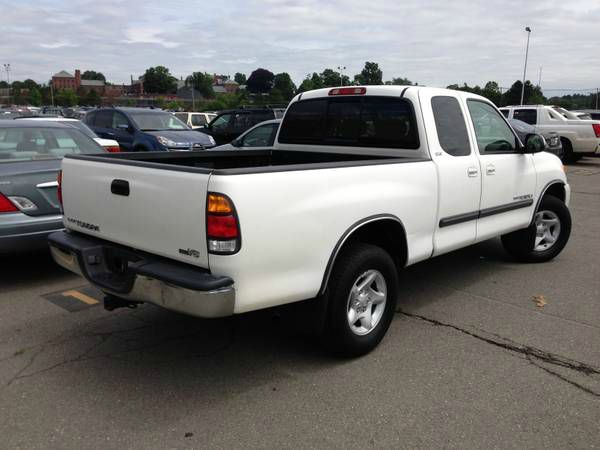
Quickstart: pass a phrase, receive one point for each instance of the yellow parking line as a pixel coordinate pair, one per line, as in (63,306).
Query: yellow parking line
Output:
(81,297)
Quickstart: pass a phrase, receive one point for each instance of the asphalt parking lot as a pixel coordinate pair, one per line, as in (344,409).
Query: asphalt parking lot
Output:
(484,352)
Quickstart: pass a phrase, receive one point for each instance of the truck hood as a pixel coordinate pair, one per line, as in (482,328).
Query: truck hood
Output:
(184,137)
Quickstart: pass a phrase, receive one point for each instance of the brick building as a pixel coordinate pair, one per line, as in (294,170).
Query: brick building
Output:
(64,80)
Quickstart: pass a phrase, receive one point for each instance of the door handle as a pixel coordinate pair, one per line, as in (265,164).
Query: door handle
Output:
(472,171)
(490,169)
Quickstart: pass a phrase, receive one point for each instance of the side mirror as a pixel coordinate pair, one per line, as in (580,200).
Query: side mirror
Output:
(534,143)
(236,143)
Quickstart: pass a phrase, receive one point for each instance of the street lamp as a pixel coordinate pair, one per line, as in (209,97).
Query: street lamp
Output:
(340,69)
(7,68)
(525,68)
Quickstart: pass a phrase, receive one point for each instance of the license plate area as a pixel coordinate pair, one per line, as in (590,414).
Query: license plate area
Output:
(108,267)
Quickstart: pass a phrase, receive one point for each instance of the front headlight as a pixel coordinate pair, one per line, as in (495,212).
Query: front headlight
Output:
(166,142)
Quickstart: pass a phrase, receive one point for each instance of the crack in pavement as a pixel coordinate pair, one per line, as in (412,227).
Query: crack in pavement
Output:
(531,353)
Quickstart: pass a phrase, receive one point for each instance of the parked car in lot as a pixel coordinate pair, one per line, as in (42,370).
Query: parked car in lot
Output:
(361,182)
(593,114)
(195,120)
(261,135)
(578,137)
(552,138)
(228,125)
(110,145)
(145,129)
(30,155)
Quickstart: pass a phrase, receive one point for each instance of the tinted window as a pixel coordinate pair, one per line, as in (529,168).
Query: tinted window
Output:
(182,116)
(492,132)
(221,122)
(304,122)
(450,126)
(352,121)
(526,115)
(261,136)
(595,116)
(198,120)
(103,119)
(90,118)
(119,119)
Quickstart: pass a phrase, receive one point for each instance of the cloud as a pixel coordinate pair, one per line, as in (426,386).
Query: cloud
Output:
(433,42)
(58,44)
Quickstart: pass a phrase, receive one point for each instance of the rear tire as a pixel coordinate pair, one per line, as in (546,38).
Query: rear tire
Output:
(546,237)
(568,155)
(361,296)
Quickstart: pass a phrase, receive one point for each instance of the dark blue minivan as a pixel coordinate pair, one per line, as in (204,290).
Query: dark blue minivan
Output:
(146,129)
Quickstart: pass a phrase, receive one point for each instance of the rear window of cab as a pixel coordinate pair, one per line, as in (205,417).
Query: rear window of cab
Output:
(382,122)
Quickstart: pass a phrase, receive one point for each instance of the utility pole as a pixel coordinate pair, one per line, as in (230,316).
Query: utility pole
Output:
(7,68)
(525,67)
(341,69)
(540,78)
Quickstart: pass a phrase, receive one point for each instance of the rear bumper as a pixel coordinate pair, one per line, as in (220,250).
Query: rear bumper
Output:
(20,232)
(141,277)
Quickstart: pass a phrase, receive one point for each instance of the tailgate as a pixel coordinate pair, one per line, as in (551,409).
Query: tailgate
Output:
(155,210)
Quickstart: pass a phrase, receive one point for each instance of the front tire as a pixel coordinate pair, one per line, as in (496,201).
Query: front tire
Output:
(362,296)
(546,237)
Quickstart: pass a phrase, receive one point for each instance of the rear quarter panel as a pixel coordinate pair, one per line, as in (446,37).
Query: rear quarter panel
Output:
(291,222)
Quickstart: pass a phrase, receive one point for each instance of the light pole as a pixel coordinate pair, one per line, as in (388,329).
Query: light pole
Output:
(341,69)
(7,68)
(525,67)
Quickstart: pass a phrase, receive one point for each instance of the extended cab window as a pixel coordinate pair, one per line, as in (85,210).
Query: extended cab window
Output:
(382,122)
(526,115)
(450,126)
(492,132)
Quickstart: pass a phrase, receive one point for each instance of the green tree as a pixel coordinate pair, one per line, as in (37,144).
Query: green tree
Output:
(92,98)
(306,85)
(316,81)
(370,75)
(239,78)
(283,86)
(492,92)
(158,80)
(35,97)
(331,78)
(533,94)
(260,81)
(3,84)
(202,82)
(93,75)
(399,82)
(66,97)
(30,84)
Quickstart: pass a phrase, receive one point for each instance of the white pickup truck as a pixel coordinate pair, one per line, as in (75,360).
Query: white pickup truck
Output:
(362,182)
(578,137)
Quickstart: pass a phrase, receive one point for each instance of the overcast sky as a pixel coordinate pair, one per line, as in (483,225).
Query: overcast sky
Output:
(433,42)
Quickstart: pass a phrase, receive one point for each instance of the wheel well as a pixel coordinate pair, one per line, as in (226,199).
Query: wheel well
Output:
(566,141)
(387,233)
(557,190)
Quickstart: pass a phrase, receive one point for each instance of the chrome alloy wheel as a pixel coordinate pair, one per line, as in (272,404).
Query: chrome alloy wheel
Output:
(366,302)
(547,230)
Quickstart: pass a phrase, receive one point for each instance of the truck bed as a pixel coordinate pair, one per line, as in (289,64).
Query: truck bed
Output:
(233,162)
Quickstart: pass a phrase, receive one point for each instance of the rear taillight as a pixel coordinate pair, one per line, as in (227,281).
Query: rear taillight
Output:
(113,149)
(6,206)
(596,127)
(59,187)
(222,225)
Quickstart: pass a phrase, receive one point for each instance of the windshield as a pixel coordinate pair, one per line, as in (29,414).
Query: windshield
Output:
(31,144)
(156,121)
(81,127)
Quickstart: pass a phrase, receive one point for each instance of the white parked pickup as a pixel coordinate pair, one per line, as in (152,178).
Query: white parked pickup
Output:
(578,137)
(362,182)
